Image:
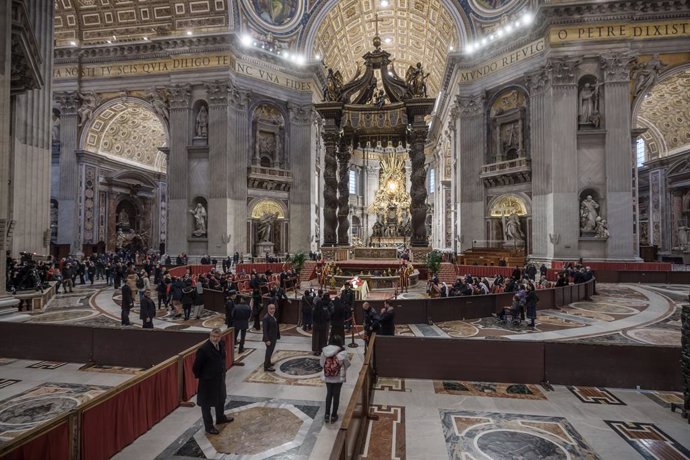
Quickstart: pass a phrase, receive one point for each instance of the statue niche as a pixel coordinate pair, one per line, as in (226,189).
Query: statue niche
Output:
(268,133)
(507,126)
(588,114)
(200,123)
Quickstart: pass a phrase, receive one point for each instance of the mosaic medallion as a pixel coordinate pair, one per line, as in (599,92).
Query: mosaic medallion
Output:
(510,436)
(282,378)
(62,316)
(491,390)
(656,336)
(458,329)
(602,307)
(300,367)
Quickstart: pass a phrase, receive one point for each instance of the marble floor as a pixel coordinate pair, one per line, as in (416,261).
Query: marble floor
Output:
(280,415)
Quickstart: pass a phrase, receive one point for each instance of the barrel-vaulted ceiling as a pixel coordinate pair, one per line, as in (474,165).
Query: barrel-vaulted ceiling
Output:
(665,112)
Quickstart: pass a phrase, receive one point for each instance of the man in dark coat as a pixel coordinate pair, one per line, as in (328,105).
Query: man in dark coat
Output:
(340,314)
(271,336)
(209,368)
(387,320)
(147,310)
(322,319)
(240,321)
(347,297)
(229,307)
(127,303)
(372,322)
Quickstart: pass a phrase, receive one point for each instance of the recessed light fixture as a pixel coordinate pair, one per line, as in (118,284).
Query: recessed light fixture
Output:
(108,42)
(146,39)
(300,60)
(527,18)
(73,43)
(114,37)
(451,48)
(189,32)
(317,57)
(388,40)
(246,40)
(384,3)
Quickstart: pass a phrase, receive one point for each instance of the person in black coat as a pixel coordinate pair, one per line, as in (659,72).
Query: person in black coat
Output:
(187,298)
(127,303)
(387,320)
(209,368)
(531,300)
(147,310)
(307,310)
(372,322)
(240,320)
(256,308)
(322,319)
(338,317)
(229,307)
(271,336)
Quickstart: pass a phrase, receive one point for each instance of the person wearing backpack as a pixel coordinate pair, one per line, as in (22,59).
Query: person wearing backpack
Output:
(335,362)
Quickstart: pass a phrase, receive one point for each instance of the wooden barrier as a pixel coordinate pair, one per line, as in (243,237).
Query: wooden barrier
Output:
(513,361)
(146,399)
(349,442)
(609,276)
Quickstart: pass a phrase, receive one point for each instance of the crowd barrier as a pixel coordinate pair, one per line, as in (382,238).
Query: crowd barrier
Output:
(114,419)
(349,442)
(275,267)
(181,270)
(513,361)
(620,266)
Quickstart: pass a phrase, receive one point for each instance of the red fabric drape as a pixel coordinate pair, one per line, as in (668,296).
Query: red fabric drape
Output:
(113,424)
(190,383)
(51,445)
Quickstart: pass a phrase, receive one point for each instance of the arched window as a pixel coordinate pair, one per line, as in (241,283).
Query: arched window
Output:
(640,149)
(353,182)
(432,180)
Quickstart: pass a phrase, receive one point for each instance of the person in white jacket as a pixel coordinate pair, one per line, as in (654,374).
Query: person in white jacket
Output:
(334,362)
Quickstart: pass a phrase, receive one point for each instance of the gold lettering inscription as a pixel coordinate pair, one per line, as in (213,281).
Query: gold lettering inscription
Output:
(620,31)
(501,62)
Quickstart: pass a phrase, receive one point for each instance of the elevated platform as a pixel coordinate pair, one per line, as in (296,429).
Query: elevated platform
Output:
(492,256)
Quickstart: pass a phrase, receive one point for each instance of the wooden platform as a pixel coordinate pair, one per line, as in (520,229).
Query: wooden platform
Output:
(491,256)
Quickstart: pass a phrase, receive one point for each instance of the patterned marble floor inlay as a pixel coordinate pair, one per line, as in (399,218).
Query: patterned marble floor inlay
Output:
(656,336)
(7,382)
(665,398)
(500,436)
(649,440)
(385,436)
(291,368)
(246,352)
(26,410)
(491,390)
(50,365)
(6,361)
(389,384)
(111,369)
(262,429)
(594,395)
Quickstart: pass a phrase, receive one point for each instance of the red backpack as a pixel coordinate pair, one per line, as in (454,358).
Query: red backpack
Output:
(331,367)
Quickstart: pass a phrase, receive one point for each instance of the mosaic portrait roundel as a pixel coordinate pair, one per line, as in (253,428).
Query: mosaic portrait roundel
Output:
(491,7)
(275,14)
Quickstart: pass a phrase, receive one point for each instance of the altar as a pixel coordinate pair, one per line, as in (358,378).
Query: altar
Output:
(375,253)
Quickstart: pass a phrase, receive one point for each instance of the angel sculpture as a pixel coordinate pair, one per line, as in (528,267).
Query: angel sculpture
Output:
(416,80)
(334,86)
(89,102)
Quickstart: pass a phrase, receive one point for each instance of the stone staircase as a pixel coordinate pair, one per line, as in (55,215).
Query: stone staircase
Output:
(307,272)
(446,273)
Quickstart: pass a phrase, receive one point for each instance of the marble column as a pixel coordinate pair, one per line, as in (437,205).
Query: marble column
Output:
(220,233)
(5,106)
(471,144)
(239,134)
(178,166)
(32,144)
(564,220)
(418,207)
(343,157)
(68,194)
(299,236)
(330,184)
(544,238)
(619,158)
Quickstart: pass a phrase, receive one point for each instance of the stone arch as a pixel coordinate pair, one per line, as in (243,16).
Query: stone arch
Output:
(127,130)
(507,119)
(664,109)
(259,206)
(268,136)
(509,202)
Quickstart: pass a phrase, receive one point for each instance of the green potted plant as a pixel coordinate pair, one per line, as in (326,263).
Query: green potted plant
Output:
(297,260)
(433,262)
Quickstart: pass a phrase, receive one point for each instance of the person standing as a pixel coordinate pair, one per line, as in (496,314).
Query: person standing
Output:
(198,302)
(531,300)
(340,314)
(256,308)
(127,304)
(372,322)
(147,310)
(334,362)
(322,318)
(229,307)
(240,321)
(209,368)
(271,336)
(307,310)
(188,293)
(387,320)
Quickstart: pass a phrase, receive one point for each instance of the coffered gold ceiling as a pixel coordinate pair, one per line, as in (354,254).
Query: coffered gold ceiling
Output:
(89,22)
(418,31)
(666,113)
(128,132)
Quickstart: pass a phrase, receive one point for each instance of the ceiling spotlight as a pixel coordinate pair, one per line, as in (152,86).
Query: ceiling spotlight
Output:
(114,37)
(527,18)
(317,56)
(300,60)
(108,42)
(246,40)
(73,43)
(499,33)
(387,40)
(492,36)
(146,39)
(384,3)
(286,55)
(470,48)
(189,32)
(390,73)
(483,42)
(451,48)
(509,28)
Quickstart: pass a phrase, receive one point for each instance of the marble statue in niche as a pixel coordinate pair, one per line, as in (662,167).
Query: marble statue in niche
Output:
(201,126)
(199,214)
(683,237)
(589,212)
(601,228)
(123,219)
(265,227)
(511,228)
(507,119)
(268,128)
(55,129)
(588,114)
